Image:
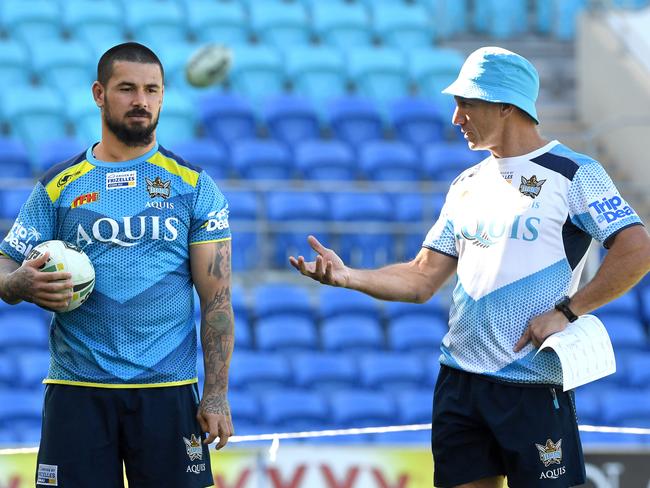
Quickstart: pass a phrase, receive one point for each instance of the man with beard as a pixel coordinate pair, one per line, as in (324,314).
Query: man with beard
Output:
(122,383)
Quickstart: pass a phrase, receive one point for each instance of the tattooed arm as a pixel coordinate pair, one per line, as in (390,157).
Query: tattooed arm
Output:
(210,266)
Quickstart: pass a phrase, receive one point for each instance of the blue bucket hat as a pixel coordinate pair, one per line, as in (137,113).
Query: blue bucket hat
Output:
(497,75)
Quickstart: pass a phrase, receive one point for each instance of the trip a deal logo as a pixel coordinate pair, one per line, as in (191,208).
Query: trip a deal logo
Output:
(608,209)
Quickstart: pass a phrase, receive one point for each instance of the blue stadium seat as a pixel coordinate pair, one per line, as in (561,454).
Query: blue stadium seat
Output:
(417,121)
(259,371)
(627,305)
(63,64)
(451,16)
(22,331)
(56,151)
(243,334)
(283,207)
(417,334)
(358,408)
(543,15)
(246,412)
(638,369)
(177,122)
(374,247)
(20,406)
(240,302)
(644,297)
(336,301)
(257,72)
(378,73)
(8,370)
(286,333)
(35,114)
(210,155)
(432,369)
(221,22)
(14,64)
(565,16)
(342,25)
(245,240)
(14,157)
(390,372)
(505,18)
(354,120)
(352,333)
(325,160)
(625,332)
(419,211)
(415,406)
(445,161)
(281,298)
(434,307)
(432,70)
(389,161)
(324,371)
(154,23)
(291,119)
(316,72)
(227,117)
(261,159)
(32,367)
(86,20)
(174,57)
(278,23)
(403,26)
(82,112)
(295,410)
(12,199)
(32,21)
(588,408)
(624,405)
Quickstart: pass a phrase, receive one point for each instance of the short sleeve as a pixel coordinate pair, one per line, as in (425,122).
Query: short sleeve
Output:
(35,223)
(596,206)
(210,215)
(441,236)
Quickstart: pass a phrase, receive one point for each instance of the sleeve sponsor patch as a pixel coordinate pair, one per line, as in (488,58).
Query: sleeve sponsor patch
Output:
(608,209)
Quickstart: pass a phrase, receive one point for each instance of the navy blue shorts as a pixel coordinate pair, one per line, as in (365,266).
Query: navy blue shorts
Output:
(483,428)
(89,432)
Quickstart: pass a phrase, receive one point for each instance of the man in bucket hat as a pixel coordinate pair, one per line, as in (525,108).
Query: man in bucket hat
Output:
(515,229)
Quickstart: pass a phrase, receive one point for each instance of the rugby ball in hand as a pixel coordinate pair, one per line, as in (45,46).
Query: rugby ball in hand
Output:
(208,65)
(68,258)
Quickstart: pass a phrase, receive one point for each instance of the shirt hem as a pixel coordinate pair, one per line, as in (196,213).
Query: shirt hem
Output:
(49,381)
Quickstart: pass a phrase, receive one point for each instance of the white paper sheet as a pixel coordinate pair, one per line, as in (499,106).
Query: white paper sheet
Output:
(585,351)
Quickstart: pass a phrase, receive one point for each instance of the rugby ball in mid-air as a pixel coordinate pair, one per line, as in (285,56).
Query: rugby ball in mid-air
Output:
(208,65)
(68,258)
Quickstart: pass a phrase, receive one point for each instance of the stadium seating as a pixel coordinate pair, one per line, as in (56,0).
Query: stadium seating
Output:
(32,367)
(15,158)
(246,413)
(246,249)
(625,405)
(325,372)
(278,298)
(152,22)
(317,72)
(432,70)
(259,371)
(261,159)
(205,153)
(403,26)
(286,333)
(444,161)
(638,369)
(415,406)
(416,333)
(22,331)
(379,74)
(31,22)
(227,117)
(279,23)
(56,151)
(342,25)
(361,408)
(389,161)
(179,123)
(222,22)
(352,333)
(14,64)
(354,120)
(336,301)
(82,113)
(12,200)
(291,119)
(325,160)
(294,410)
(63,65)
(257,72)
(8,371)
(86,20)
(417,121)
(390,372)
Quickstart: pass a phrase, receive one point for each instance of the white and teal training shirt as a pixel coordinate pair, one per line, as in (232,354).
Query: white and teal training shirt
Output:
(520,228)
(136,220)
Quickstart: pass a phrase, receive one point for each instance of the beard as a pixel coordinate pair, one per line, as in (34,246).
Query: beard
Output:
(132,136)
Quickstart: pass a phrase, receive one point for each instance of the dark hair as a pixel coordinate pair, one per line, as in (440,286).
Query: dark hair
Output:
(128,51)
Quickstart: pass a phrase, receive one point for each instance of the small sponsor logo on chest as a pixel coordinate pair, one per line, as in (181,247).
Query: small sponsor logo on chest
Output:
(123,179)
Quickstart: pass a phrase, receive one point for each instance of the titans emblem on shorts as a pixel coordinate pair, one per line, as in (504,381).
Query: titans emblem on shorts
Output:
(193,447)
(550,453)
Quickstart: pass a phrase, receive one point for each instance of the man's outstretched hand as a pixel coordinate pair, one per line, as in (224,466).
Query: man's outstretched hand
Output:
(328,268)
